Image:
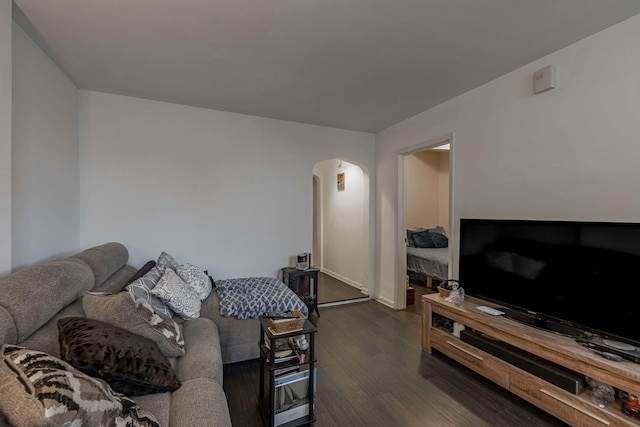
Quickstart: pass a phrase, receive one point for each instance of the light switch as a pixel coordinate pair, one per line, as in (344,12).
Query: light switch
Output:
(544,79)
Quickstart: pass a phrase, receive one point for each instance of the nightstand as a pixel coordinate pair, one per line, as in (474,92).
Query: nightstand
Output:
(305,284)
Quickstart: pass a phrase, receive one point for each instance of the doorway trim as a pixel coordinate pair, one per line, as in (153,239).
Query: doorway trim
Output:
(400,295)
(317,223)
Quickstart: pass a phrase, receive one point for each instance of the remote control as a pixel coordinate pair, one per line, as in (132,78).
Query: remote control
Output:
(279,315)
(489,310)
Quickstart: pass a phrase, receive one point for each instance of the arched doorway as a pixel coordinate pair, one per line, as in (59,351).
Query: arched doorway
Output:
(341,231)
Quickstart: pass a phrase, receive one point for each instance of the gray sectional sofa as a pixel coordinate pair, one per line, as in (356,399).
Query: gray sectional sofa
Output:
(32,300)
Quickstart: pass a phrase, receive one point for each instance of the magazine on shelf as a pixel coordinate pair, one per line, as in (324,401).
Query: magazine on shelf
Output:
(292,399)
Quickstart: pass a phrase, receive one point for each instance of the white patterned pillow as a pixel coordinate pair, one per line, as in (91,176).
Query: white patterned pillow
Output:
(196,279)
(182,299)
(38,389)
(141,288)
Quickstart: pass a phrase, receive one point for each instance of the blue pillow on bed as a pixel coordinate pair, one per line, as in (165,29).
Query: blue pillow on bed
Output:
(429,239)
(422,239)
(440,240)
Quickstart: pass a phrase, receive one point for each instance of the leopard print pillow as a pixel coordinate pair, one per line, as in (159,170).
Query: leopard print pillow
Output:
(38,389)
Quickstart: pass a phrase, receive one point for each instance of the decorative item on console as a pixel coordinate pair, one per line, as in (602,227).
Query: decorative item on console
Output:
(445,287)
(601,394)
(456,294)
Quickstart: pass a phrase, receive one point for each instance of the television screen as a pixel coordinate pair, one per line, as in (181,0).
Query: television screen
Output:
(584,274)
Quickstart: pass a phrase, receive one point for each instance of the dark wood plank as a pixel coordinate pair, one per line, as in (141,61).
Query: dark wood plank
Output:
(331,289)
(372,371)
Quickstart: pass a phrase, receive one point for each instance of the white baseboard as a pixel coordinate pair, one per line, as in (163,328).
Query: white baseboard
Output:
(385,301)
(349,301)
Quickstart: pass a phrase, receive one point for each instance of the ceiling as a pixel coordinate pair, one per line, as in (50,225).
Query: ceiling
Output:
(352,64)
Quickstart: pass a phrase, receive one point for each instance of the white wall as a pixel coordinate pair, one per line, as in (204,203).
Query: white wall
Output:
(5,136)
(570,153)
(227,192)
(345,222)
(45,169)
(422,171)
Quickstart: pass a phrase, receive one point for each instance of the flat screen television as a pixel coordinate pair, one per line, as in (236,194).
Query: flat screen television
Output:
(582,274)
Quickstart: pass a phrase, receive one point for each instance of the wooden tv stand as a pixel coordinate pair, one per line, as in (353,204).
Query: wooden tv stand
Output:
(576,410)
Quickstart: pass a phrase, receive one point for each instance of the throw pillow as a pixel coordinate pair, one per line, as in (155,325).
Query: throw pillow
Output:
(439,240)
(422,239)
(143,270)
(196,279)
(130,364)
(137,316)
(172,290)
(140,288)
(38,389)
(165,260)
(410,232)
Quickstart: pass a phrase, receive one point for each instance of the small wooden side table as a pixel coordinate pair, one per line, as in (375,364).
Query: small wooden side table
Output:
(305,284)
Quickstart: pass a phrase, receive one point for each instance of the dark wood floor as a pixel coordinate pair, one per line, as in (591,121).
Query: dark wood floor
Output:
(372,372)
(331,289)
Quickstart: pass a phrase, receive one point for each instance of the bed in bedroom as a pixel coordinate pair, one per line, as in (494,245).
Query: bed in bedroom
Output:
(427,255)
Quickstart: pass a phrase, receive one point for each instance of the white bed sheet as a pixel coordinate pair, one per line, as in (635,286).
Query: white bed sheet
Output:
(433,262)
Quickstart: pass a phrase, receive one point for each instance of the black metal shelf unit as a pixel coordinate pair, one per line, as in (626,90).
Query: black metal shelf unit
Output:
(269,366)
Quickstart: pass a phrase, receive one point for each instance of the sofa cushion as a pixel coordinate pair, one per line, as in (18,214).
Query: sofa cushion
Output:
(159,404)
(196,279)
(130,363)
(8,331)
(209,409)
(203,356)
(34,295)
(237,337)
(182,299)
(141,287)
(137,316)
(40,390)
(104,260)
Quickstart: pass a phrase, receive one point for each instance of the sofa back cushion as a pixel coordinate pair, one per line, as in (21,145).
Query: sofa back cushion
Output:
(35,294)
(104,260)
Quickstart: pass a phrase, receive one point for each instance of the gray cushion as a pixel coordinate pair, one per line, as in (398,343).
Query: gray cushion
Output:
(34,295)
(237,337)
(209,409)
(203,358)
(159,404)
(8,333)
(131,364)
(40,390)
(136,316)
(104,260)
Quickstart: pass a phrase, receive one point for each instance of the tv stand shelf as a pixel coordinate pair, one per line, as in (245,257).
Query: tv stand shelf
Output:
(561,350)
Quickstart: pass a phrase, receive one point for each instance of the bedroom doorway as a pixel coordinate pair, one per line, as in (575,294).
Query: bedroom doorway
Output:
(424,218)
(341,230)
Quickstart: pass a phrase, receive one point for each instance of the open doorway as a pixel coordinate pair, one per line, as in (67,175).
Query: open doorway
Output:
(341,231)
(424,214)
